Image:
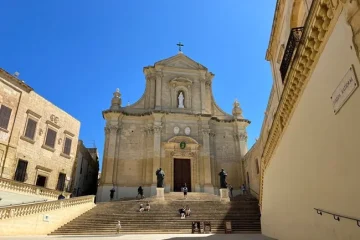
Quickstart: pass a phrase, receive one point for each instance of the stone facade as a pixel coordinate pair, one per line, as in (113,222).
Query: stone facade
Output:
(85,173)
(144,136)
(27,140)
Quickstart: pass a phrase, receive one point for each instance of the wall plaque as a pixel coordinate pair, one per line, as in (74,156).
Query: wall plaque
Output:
(344,90)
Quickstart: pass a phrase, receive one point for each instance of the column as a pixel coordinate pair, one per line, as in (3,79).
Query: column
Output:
(158,90)
(208,187)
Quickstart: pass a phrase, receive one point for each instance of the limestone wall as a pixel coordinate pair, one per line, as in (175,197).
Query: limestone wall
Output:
(41,160)
(315,164)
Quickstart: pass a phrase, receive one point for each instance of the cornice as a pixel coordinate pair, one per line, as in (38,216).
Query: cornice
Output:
(274,28)
(321,20)
(17,82)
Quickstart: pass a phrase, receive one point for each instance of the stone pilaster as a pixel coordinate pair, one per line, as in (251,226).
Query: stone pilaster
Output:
(116,155)
(203,91)
(205,155)
(110,153)
(158,90)
(157,154)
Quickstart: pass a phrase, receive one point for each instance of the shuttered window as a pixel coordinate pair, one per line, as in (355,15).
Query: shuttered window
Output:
(67,146)
(20,173)
(50,138)
(30,128)
(5,114)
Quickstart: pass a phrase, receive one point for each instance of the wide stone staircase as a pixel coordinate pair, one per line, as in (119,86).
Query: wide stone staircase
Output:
(242,211)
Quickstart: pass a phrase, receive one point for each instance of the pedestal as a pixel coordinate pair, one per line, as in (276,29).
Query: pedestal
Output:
(224,194)
(160,194)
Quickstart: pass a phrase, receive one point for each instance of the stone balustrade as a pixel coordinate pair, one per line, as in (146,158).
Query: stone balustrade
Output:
(23,188)
(29,209)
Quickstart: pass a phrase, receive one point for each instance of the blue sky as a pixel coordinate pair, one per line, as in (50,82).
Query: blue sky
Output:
(76,53)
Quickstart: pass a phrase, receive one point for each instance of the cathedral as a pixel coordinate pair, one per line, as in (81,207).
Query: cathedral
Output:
(177,126)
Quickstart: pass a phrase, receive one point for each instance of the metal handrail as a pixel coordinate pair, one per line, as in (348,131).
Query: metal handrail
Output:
(337,216)
(251,190)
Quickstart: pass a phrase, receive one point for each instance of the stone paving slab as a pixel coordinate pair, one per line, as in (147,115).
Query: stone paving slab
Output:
(148,237)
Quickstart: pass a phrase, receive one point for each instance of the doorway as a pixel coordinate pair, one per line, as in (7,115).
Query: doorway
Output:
(41,181)
(182,174)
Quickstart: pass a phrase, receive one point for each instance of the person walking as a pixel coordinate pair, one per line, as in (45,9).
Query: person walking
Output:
(185,190)
(112,192)
(118,227)
(231,190)
(140,192)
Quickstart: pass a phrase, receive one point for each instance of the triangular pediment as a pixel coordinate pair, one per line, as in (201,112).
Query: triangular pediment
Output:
(181,61)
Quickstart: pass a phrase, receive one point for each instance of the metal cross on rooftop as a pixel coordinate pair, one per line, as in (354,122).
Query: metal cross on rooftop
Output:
(180,45)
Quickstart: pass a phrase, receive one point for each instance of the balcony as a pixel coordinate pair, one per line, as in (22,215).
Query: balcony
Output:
(294,39)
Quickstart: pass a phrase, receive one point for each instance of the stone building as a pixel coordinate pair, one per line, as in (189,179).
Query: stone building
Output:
(37,139)
(85,173)
(176,125)
(308,144)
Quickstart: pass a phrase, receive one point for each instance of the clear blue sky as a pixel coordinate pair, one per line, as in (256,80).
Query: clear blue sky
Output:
(76,53)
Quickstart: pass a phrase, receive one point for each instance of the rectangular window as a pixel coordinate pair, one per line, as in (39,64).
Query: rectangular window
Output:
(30,128)
(5,114)
(50,138)
(61,182)
(67,146)
(20,172)
(81,165)
(257,166)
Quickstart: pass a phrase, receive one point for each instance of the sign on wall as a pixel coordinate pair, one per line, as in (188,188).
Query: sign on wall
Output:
(344,90)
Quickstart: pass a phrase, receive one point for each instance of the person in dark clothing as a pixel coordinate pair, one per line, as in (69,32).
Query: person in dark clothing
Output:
(185,190)
(231,190)
(61,196)
(140,192)
(182,212)
(112,191)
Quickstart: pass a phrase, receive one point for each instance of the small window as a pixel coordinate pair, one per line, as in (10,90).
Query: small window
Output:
(67,146)
(30,128)
(50,138)
(257,166)
(61,182)
(20,173)
(5,114)
(41,181)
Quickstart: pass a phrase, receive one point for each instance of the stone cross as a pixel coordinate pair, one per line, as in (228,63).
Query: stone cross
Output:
(180,45)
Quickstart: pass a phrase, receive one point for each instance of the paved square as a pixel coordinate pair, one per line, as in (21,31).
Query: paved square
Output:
(148,237)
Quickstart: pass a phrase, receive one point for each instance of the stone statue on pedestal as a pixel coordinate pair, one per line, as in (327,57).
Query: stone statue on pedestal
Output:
(181,100)
(160,178)
(223,176)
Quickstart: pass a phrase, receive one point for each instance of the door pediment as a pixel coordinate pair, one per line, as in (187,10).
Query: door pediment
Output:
(179,139)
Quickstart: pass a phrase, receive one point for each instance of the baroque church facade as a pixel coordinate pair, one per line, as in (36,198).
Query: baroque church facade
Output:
(176,125)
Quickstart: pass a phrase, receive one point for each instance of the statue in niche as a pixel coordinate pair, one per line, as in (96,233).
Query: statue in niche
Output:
(223,175)
(181,100)
(160,178)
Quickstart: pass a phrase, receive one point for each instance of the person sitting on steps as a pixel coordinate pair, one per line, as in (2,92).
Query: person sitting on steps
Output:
(185,190)
(187,211)
(182,212)
(147,206)
(141,207)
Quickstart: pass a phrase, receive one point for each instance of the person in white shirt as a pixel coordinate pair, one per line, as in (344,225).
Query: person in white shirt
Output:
(118,227)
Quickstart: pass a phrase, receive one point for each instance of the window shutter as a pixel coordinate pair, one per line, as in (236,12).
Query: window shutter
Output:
(5,114)
(20,173)
(30,129)
(61,182)
(67,146)
(50,138)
